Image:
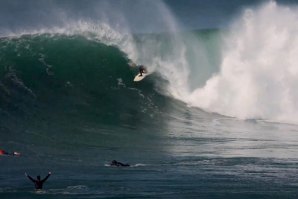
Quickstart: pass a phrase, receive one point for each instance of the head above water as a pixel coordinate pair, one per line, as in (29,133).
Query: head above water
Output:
(38,177)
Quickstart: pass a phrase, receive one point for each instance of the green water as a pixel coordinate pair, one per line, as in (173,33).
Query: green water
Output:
(69,105)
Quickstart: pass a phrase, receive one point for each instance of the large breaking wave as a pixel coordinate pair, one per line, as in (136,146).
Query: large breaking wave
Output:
(258,75)
(65,77)
(249,71)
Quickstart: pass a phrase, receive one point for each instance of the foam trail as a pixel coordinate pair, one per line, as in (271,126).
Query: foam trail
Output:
(259,73)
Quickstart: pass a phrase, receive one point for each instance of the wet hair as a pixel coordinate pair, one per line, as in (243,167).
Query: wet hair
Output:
(38,177)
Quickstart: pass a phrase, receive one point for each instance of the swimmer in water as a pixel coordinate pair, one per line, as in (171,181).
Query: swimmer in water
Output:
(38,183)
(118,164)
(2,152)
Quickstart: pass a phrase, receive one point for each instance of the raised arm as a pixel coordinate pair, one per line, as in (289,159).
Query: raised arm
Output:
(30,177)
(46,177)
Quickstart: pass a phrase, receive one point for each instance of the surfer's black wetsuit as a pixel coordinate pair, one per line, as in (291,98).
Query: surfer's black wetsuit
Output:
(118,164)
(38,183)
(142,70)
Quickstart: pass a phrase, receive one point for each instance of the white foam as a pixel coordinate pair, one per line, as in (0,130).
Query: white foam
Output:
(100,31)
(259,72)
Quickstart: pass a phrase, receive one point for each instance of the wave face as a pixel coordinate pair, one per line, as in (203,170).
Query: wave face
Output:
(71,77)
(258,71)
(69,105)
(248,72)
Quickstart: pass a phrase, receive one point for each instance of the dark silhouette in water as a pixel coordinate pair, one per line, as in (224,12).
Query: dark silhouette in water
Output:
(118,164)
(38,183)
(2,152)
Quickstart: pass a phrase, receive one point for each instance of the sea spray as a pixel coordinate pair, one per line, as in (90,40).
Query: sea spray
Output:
(259,74)
(175,55)
(171,54)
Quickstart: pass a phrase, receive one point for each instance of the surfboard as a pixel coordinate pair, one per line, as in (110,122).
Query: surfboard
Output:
(138,77)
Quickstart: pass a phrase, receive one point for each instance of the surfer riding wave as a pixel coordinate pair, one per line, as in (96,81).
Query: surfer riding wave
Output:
(142,71)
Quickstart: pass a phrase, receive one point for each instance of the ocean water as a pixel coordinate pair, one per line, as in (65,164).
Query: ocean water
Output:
(216,117)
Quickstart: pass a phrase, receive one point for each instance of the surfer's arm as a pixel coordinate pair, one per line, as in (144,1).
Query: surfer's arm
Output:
(46,177)
(29,177)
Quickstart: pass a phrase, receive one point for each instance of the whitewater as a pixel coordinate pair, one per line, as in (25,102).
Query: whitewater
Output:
(249,73)
(258,72)
(216,117)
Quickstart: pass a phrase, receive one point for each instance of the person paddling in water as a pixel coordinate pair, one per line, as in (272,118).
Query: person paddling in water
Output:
(38,183)
(2,152)
(118,164)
